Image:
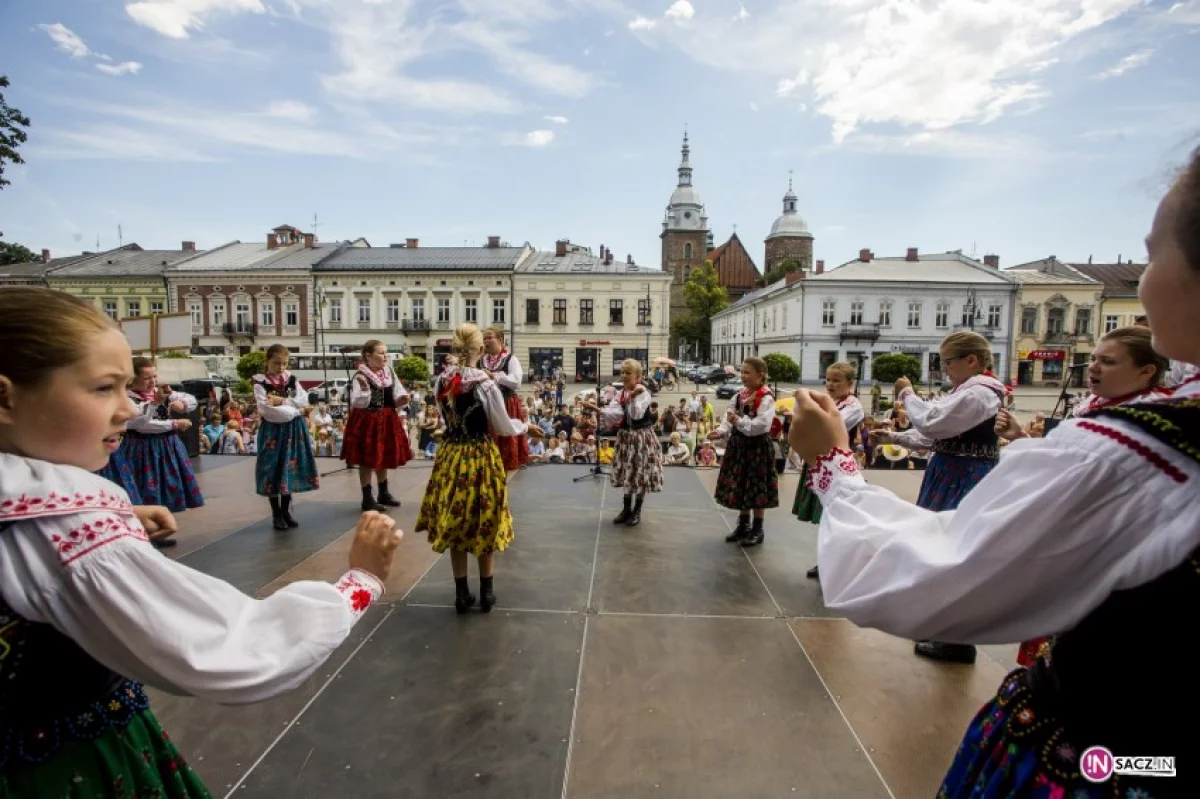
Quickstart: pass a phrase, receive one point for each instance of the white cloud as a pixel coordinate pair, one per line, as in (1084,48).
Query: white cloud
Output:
(788,86)
(124,68)
(175,18)
(742,13)
(539,138)
(642,24)
(291,109)
(680,11)
(557,120)
(66,40)
(1131,61)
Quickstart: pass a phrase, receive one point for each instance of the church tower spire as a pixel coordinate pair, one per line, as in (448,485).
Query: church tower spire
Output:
(685,166)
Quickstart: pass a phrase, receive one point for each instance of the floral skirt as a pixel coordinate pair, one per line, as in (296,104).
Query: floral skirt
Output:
(162,470)
(465,507)
(118,471)
(748,480)
(285,463)
(125,754)
(376,440)
(514,450)
(637,462)
(949,478)
(807,505)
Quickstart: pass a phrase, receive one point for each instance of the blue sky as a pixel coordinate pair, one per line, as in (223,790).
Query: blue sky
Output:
(1020,127)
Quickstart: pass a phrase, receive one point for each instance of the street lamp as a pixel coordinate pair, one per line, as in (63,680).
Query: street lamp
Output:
(648,325)
(319,294)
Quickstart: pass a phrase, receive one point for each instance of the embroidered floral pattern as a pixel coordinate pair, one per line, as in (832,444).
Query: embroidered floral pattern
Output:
(88,537)
(836,461)
(359,589)
(55,504)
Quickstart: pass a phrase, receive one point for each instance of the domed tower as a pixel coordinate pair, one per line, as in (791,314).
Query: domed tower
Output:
(685,235)
(789,239)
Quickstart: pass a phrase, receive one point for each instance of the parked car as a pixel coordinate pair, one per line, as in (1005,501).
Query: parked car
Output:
(730,387)
(711,375)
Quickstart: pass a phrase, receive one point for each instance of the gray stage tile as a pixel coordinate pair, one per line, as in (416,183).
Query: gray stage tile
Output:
(676,563)
(789,551)
(551,486)
(222,741)
(682,491)
(438,705)
(699,708)
(547,567)
(256,555)
(208,463)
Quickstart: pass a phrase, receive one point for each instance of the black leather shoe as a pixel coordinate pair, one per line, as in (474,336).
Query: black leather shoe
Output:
(288,520)
(950,653)
(635,518)
(370,504)
(464,602)
(739,532)
(754,537)
(813,574)
(278,522)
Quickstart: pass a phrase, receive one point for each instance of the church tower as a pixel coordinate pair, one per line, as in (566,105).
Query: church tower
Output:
(685,236)
(789,239)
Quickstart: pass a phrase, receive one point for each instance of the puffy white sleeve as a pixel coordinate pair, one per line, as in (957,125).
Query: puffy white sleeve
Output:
(155,620)
(145,422)
(1036,546)
(951,415)
(724,429)
(277,414)
(493,403)
(611,414)
(760,423)
(360,392)
(299,398)
(639,404)
(853,414)
(910,438)
(189,402)
(511,379)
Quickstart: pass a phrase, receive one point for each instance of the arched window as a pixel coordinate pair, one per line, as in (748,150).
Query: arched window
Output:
(687,270)
(687,251)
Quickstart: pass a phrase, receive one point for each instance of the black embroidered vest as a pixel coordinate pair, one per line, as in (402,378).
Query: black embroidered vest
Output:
(381,397)
(980,441)
(466,418)
(273,390)
(649,418)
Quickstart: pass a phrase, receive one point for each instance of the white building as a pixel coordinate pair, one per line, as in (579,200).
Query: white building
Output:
(871,306)
(586,313)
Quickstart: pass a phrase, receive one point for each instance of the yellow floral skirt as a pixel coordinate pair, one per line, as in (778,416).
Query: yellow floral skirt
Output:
(466,500)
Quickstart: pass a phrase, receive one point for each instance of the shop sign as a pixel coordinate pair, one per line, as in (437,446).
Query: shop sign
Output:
(444,342)
(584,343)
(1048,355)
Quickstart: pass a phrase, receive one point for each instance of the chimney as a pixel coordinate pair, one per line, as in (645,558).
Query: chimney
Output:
(493,242)
(912,254)
(820,267)
(309,238)
(629,260)
(864,255)
(272,241)
(45,256)
(560,248)
(792,277)
(1118,258)
(992,260)
(189,246)
(411,243)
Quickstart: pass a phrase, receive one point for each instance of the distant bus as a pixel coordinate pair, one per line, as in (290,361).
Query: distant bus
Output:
(310,368)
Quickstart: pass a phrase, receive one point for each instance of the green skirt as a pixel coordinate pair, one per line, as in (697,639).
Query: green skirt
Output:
(807,506)
(135,759)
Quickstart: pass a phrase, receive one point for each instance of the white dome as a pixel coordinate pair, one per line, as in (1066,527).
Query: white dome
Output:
(790,225)
(685,195)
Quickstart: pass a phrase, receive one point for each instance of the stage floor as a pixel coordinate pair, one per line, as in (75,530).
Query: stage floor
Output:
(656,661)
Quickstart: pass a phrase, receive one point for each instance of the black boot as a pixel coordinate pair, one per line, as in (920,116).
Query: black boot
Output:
(635,518)
(813,574)
(285,508)
(626,512)
(385,497)
(487,598)
(463,601)
(277,514)
(755,537)
(741,531)
(368,502)
(951,653)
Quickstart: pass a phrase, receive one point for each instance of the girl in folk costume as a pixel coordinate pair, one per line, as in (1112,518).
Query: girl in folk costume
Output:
(1124,370)
(375,437)
(638,461)
(465,508)
(285,462)
(161,466)
(748,482)
(960,429)
(1089,534)
(839,384)
(505,370)
(88,611)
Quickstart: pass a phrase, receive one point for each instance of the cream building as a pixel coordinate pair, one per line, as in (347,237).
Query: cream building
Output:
(1058,314)
(123,283)
(585,313)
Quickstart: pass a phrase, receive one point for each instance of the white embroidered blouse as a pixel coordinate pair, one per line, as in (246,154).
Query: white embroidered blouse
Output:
(970,403)
(292,406)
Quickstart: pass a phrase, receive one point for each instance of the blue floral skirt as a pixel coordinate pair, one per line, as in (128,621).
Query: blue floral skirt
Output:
(949,478)
(162,470)
(286,462)
(118,471)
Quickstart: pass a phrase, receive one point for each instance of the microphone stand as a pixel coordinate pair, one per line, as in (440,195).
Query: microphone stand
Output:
(597,469)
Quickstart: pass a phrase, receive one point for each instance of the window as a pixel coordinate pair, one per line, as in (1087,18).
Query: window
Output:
(621,355)
(885,313)
(1083,321)
(587,312)
(266,313)
(941,317)
(393,310)
(291,314)
(364,309)
(968,315)
(1029,321)
(335,311)
(499,311)
(643,312)
(110,308)
(687,251)
(856,312)
(418,309)
(156,306)
(133,307)
(218,313)
(616,314)
(914,314)
(196,309)
(994,311)
(828,312)
(241,316)
(1055,321)
(785,318)
(531,311)
(471,310)
(1111,323)
(560,312)
(443,316)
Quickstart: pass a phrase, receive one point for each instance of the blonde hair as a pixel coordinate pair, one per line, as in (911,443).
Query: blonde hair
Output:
(1136,339)
(968,342)
(42,331)
(675,438)
(467,339)
(496,331)
(633,364)
(844,370)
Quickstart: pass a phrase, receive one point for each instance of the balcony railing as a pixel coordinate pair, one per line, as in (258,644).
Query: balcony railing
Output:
(239,329)
(414,324)
(860,332)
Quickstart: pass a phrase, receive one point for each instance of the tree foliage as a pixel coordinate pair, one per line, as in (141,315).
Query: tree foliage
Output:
(413,369)
(15,254)
(705,296)
(782,270)
(12,135)
(891,366)
(781,368)
(176,354)
(251,363)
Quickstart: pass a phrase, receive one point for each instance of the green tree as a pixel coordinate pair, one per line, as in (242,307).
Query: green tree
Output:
(705,297)
(15,254)
(782,270)
(11,134)
(183,356)
(781,368)
(412,369)
(891,366)
(250,364)
(243,387)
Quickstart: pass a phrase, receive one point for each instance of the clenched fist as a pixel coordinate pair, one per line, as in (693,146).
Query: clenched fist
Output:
(374,548)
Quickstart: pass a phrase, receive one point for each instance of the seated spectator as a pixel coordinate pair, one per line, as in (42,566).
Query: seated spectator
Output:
(677,453)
